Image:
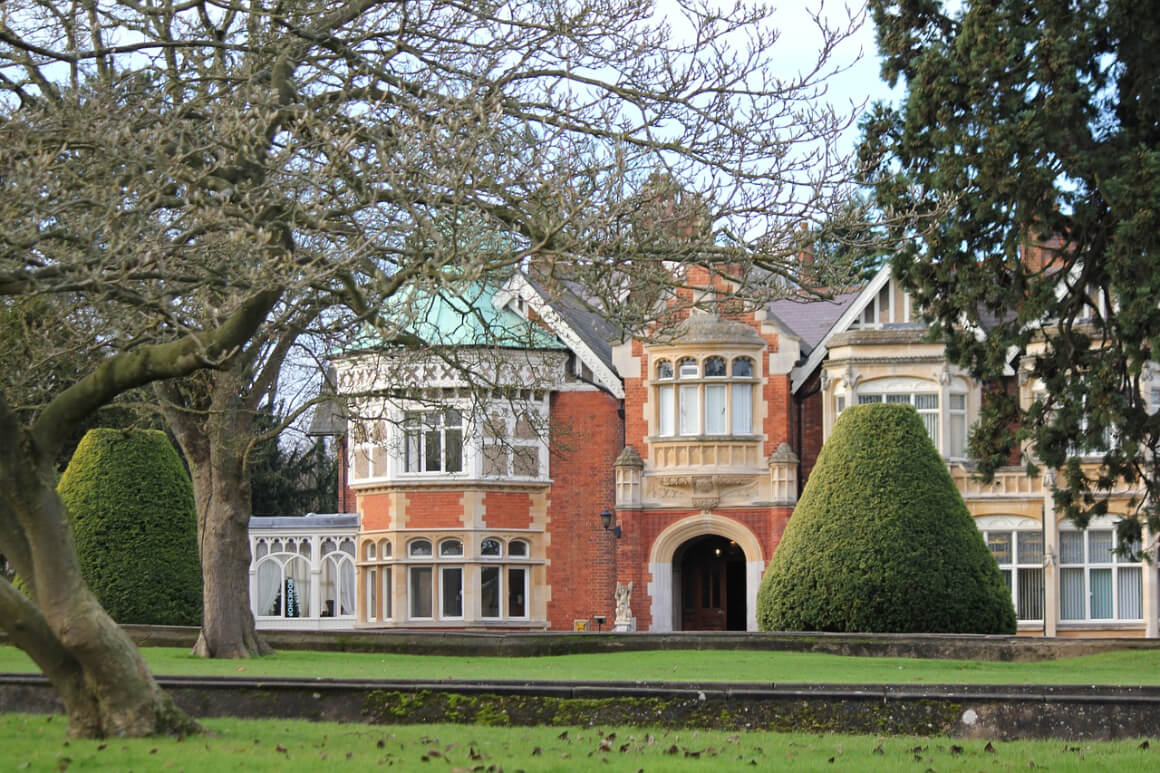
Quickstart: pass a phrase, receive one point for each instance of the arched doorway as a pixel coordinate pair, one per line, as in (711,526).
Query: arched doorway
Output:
(709,576)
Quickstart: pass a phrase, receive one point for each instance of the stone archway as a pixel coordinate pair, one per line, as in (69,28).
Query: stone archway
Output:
(673,545)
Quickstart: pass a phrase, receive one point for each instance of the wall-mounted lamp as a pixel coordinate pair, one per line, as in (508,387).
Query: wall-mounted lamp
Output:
(606,517)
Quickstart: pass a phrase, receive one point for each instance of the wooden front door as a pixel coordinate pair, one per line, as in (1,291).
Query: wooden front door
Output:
(704,599)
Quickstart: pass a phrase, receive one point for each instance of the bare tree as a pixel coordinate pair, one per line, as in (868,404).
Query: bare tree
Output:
(194,184)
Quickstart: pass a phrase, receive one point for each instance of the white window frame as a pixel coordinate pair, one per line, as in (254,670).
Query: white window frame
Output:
(1117,565)
(504,434)
(414,431)
(682,401)
(1017,565)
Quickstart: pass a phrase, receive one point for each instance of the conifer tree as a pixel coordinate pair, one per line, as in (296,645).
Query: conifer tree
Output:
(1026,156)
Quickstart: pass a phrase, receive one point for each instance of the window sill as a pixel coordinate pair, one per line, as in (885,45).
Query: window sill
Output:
(449,480)
(703,439)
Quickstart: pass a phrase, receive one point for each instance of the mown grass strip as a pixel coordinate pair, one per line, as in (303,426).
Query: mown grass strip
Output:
(1131,667)
(40,743)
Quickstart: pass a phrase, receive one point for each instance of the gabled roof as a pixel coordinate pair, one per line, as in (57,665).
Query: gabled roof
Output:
(850,311)
(811,318)
(584,331)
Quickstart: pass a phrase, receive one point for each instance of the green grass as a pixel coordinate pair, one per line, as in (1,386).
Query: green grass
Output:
(39,743)
(1131,667)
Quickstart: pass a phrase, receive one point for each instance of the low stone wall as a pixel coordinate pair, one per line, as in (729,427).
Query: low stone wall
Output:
(521,644)
(995,712)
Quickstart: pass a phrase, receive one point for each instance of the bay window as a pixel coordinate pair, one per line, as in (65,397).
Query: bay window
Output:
(704,397)
(433,441)
(503,590)
(511,446)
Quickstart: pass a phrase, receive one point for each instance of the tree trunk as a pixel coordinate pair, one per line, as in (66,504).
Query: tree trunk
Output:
(223,503)
(214,433)
(98,672)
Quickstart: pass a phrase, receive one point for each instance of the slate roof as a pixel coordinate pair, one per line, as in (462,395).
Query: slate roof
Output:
(594,329)
(308,521)
(811,318)
(329,417)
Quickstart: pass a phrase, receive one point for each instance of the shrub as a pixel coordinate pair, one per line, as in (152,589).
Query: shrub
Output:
(133,518)
(882,541)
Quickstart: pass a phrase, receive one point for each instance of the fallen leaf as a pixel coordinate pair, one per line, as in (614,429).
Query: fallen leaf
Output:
(989,748)
(536,752)
(280,748)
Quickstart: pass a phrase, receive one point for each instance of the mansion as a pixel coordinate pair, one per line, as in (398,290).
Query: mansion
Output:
(537,480)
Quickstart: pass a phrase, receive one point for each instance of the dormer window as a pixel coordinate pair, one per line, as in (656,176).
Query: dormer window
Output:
(713,396)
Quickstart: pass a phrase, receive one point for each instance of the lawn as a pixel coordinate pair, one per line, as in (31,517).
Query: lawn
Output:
(1131,667)
(39,743)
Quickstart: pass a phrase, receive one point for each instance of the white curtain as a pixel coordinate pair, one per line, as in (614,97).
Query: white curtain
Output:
(689,409)
(743,409)
(715,409)
(665,409)
(269,587)
(346,587)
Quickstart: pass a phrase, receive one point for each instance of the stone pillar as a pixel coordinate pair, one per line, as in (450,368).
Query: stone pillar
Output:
(629,467)
(783,468)
(1050,557)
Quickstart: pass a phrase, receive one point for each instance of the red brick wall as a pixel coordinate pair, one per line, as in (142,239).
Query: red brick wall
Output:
(581,554)
(642,527)
(507,510)
(809,413)
(376,511)
(434,509)
(778,404)
(635,400)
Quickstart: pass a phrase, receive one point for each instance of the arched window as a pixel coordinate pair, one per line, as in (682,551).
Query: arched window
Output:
(337,585)
(1017,545)
(419,548)
(491,548)
(283,586)
(664,370)
(369,552)
(518,548)
(450,547)
(385,548)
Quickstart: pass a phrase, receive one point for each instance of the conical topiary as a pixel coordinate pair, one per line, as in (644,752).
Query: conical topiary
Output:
(134,522)
(882,541)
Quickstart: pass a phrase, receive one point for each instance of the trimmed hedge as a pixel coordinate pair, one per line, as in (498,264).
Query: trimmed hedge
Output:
(134,522)
(881,540)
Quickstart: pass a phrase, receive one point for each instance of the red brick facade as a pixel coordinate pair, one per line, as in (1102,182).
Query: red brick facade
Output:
(581,554)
